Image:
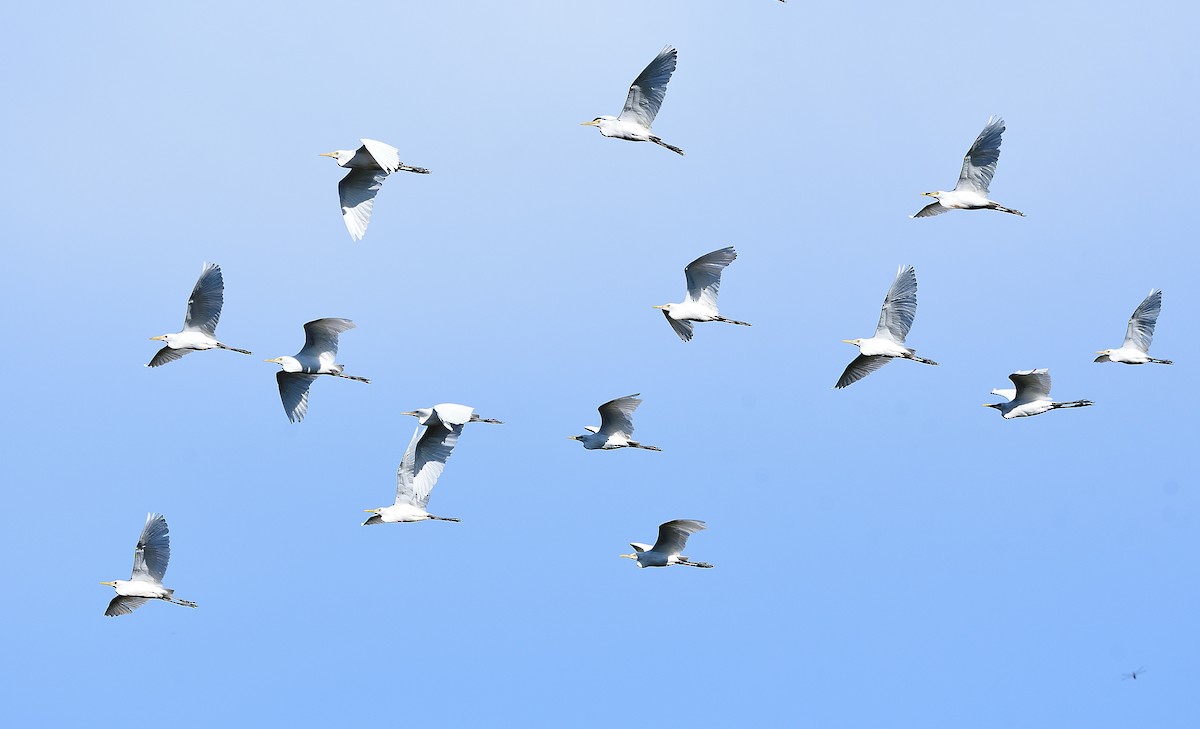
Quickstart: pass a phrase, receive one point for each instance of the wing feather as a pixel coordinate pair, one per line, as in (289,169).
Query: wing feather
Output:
(860,367)
(648,90)
(682,327)
(979,164)
(166,354)
(1031,384)
(153,550)
(616,416)
(357,191)
(123,605)
(423,463)
(204,305)
(385,155)
(899,306)
(704,276)
(673,535)
(321,338)
(293,392)
(1140,331)
(932,209)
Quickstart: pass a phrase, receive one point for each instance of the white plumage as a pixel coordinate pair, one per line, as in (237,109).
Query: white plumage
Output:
(1030,397)
(316,358)
(666,551)
(369,166)
(1138,334)
(895,320)
(200,322)
(703,283)
(616,427)
(646,95)
(979,165)
(150,558)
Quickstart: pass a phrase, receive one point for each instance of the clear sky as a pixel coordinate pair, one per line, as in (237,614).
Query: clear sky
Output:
(890,555)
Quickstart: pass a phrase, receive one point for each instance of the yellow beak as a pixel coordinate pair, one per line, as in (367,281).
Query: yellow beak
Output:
(327,154)
(1102,351)
(656,307)
(371,511)
(848,341)
(928,194)
(276,360)
(160,338)
(592,123)
(409,412)
(109,584)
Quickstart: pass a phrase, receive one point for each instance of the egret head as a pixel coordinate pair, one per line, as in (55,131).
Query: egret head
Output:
(277,360)
(935,193)
(632,556)
(575,437)
(372,511)
(1105,351)
(160,338)
(110,584)
(421,414)
(341,156)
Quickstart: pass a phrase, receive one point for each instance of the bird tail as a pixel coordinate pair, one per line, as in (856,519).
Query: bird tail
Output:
(355,378)
(418,170)
(635,444)
(1003,209)
(1072,404)
(671,147)
(733,321)
(1161,361)
(235,349)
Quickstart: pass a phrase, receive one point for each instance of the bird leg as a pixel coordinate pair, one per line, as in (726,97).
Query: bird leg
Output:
(635,444)
(1001,208)
(922,360)
(685,561)
(733,321)
(1072,404)
(352,377)
(234,349)
(671,147)
(501,422)
(443,518)
(418,170)
(1161,361)
(177,601)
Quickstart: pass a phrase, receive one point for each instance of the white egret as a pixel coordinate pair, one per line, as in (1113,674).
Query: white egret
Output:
(641,106)
(971,192)
(449,414)
(369,166)
(422,465)
(315,359)
(703,283)
(896,318)
(150,559)
(672,539)
(200,322)
(1031,396)
(616,427)
(1136,349)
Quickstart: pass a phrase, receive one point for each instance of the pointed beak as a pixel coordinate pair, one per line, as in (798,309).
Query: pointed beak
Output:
(327,154)
(371,511)
(928,194)
(592,123)
(159,338)
(572,437)
(848,341)
(1102,351)
(656,307)
(276,360)
(109,584)
(409,412)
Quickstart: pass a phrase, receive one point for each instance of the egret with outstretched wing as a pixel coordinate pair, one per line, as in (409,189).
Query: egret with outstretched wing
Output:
(641,106)
(1030,397)
(672,539)
(896,318)
(369,166)
(419,470)
(703,282)
(315,359)
(150,559)
(448,415)
(200,322)
(971,192)
(616,427)
(1136,349)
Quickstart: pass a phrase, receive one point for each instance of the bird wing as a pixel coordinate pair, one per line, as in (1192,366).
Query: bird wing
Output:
(860,367)
(1007,393)
(616,416)
(321,338)
(682,328)
(673,535)
(649,88)
(165,355)
(357,192)
(385,155)
(451,414)
(1031,384)
(980,163)
(122,605)
(932,209)
(423,463)
(293,391)
(153,550)
(204,305)
(704,276)
(1141,324)
(899,306)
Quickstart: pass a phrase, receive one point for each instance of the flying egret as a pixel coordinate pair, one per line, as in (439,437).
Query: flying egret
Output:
(616,427)
(200,323)
(1031,396)
(672,538)
(315,359)
(448,414)
(703,282)
(1136,349)
(369,166)
(641,106)
(423,463)
(971,192)
(150,559)
(896,318)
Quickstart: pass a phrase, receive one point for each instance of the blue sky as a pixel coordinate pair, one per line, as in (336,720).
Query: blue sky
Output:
(887,555)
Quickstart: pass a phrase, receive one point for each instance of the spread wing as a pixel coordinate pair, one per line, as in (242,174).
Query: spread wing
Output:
(357,192)
(1141,325)
(899,306)
(1007,393)
(385,155)
(649,88)
(682,328)
(423,463)
(860,367)
(1031,384)
(932,209)
(451,414)
(204,305)
(704,276)
(165,355)
(153,550)
(980,163)
(616,416)
(321,338)
(293,391)
(122,605)
(673,535)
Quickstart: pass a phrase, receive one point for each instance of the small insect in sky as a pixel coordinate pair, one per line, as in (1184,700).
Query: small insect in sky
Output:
(1133,674)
